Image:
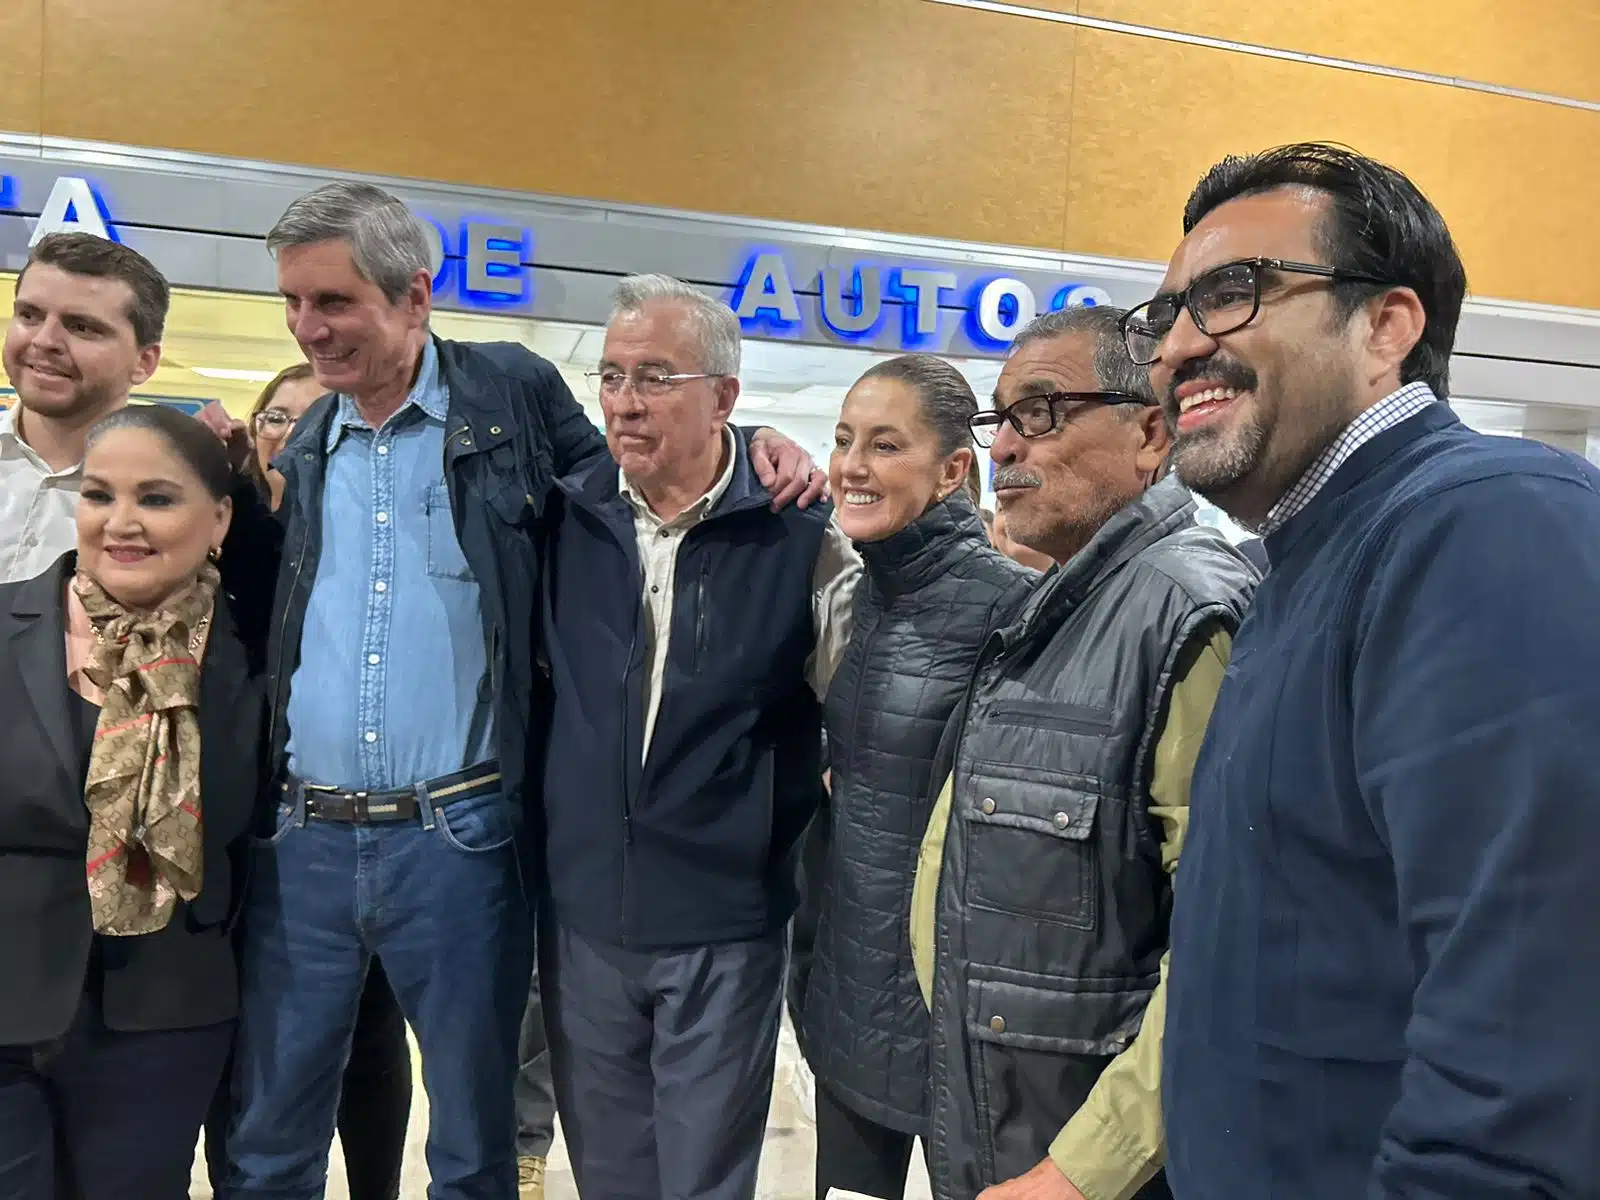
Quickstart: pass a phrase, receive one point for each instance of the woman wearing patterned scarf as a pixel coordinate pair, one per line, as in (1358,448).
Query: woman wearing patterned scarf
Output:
(129,716)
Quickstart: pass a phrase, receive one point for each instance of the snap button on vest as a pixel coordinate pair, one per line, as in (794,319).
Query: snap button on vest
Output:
(988,804)
(998,1024)
(1062,820)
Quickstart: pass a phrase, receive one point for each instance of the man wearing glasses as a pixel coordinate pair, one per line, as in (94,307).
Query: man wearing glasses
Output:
(1043,894)
(1385,951)
(691,632)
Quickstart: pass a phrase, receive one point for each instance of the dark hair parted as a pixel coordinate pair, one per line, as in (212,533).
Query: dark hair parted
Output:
(1378,223)
(1113,369)
(99,258)
(199,449)
(946,399)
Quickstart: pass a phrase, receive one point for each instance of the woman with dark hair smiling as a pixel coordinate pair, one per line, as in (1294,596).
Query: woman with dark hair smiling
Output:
(934,587)
(129,719)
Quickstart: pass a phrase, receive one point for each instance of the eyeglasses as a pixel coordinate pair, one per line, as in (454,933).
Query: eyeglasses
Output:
(273,422)
(1220,301)
(1036,416)
(646,381)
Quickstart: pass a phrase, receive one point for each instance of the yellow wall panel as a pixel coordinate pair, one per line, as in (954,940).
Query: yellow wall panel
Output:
(1514,179)
(21,39)
(882,114)
(1538,45)
(849,112)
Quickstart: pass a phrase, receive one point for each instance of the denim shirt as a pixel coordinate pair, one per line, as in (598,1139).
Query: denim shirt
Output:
(391,686)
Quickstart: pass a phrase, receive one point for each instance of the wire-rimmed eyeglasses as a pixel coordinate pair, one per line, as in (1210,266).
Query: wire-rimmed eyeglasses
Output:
(645,381)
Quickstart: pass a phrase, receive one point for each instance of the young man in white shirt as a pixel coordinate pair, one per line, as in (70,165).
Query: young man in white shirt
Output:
(85,330)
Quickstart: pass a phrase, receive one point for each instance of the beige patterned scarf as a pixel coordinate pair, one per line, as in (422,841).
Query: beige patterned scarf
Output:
(143,790)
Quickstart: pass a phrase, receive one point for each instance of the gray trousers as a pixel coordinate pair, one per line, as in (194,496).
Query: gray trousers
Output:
(535,1093)
(663,1063)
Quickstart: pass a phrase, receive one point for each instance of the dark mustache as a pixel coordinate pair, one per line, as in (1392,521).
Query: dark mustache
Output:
(1223,371)
(1013,477)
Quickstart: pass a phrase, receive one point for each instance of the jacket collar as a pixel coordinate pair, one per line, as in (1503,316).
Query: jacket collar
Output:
(478,415)
(1367,459)
(913,557)
(1162,510)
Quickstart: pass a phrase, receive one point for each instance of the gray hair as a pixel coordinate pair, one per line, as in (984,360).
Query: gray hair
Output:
(715,327)
(1114,370)
(386,242)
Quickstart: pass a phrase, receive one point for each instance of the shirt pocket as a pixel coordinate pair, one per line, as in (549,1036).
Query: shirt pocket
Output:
(445,559)
(1031,845)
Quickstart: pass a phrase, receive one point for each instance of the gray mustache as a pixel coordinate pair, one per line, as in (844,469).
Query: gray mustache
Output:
(1015,477)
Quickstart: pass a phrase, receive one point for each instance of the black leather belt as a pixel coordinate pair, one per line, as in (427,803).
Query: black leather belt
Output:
(325,803)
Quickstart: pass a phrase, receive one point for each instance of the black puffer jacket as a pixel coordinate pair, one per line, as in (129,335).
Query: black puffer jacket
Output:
(930,595)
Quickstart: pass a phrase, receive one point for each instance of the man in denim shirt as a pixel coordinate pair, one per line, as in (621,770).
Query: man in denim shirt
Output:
(401,689)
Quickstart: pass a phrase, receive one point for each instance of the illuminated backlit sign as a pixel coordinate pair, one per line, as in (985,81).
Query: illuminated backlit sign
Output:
(74,205)
(483,264)
(903,305)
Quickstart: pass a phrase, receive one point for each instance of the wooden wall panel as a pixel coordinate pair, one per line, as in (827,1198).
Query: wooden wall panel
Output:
(850,112)
(1538,45)
(1515,179)
(22,40)
(882,114)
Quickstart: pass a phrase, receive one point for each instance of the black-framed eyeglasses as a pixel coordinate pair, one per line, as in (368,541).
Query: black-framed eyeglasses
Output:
(1036,416)
(646,381)
(1220,301)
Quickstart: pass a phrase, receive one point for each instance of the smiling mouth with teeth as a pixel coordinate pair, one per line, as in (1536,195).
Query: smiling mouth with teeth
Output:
(857,498)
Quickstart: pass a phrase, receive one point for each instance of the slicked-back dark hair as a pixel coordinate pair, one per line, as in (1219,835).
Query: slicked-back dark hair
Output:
(193,443)
(946,398)
(1378,223)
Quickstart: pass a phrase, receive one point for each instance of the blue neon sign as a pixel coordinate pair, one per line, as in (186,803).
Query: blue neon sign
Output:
(854,304)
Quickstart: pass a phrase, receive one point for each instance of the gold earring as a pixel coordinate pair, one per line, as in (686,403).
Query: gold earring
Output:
(214,554)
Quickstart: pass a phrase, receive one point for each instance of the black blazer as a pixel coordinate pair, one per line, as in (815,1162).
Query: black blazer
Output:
(186,974)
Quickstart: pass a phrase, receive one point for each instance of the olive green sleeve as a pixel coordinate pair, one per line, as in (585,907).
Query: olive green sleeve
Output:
(1115,1143)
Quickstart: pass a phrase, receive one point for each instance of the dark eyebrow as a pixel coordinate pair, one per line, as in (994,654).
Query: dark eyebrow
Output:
(89,319)
(144,485)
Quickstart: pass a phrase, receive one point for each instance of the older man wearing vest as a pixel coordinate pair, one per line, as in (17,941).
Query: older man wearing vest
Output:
(691,630)
(1044,892)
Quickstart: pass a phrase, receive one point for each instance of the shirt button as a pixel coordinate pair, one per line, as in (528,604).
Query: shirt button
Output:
(374,659)
(382,450)
(654,589)
(380,586)
(666,533)
(383,518)
(998,1024)
(371,736)
(1062,820)
(988,804)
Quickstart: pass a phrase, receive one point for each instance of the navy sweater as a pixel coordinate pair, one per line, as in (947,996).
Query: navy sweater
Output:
(1385,977)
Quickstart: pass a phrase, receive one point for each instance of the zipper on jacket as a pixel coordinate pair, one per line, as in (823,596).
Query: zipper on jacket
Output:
(283,629)
(627,793)
(700,616)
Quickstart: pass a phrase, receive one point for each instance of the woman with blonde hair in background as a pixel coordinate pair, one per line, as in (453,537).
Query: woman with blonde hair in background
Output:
(272,420)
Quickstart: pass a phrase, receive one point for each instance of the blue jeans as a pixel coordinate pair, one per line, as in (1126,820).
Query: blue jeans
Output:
(440,903)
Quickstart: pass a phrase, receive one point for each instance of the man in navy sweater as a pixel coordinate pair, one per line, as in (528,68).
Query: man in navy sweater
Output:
(1386,943)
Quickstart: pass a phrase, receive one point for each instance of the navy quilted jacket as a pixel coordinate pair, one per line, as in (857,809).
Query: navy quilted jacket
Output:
(931,594)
